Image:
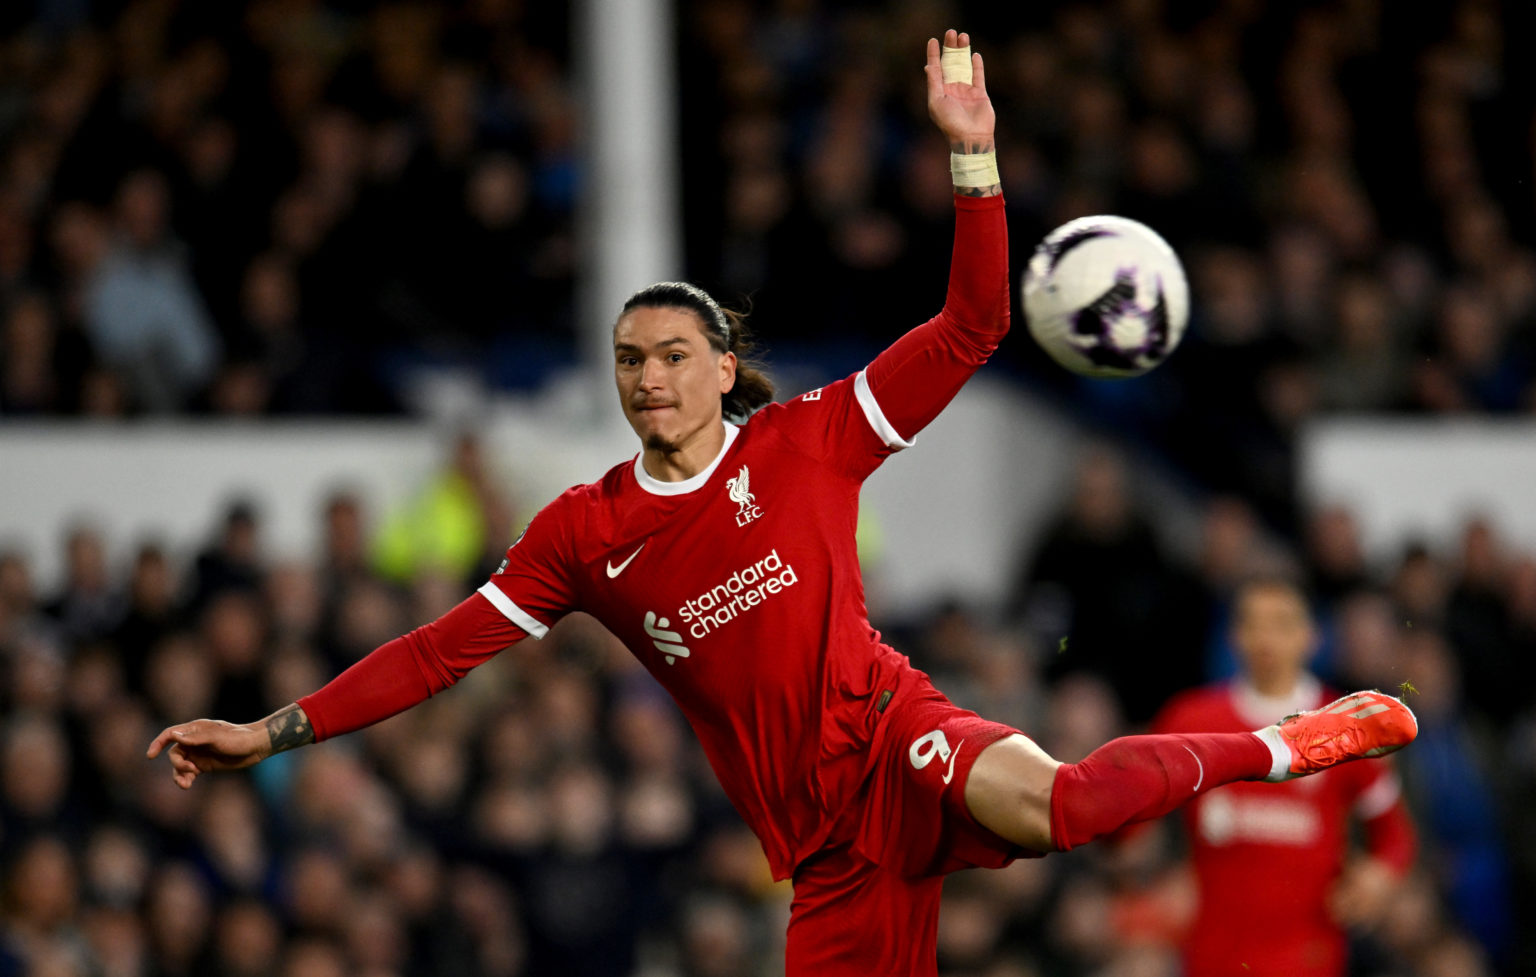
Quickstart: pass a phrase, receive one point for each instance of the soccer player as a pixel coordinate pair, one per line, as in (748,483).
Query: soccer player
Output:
(723,556)
(1276,885)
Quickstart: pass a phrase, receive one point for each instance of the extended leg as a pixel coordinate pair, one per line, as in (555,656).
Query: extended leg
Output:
(1020,793)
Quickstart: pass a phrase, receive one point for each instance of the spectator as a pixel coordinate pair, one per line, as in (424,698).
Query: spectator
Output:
(152,612)
(1095,588)
(233,562)
(142,310)
(89,605)
(1455,797)
(443,528)
(36,362)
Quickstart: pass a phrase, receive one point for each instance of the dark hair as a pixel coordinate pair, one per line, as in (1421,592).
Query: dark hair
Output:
(1273,579)
(727,332)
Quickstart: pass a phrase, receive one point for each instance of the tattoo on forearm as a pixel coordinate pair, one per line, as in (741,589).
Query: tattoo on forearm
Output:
(289,727)
(966,147)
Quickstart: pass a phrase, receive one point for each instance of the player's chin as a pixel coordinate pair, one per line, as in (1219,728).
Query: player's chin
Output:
(648,427)
(657,441)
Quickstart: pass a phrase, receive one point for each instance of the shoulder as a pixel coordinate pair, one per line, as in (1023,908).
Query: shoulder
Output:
(831,410)
(815,401)
(576,497)
(576,503)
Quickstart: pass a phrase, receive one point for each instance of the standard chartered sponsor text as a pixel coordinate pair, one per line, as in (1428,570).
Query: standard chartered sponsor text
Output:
(738,593)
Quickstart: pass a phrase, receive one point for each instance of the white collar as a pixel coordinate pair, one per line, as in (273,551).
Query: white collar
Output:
(1262,710)
(656,486)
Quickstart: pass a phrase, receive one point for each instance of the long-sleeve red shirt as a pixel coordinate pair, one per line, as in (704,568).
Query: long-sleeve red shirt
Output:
(739,589)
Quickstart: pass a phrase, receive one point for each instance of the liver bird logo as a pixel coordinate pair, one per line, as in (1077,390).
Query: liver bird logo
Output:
(739,489)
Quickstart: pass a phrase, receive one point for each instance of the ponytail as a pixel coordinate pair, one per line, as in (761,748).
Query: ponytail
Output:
(753,388)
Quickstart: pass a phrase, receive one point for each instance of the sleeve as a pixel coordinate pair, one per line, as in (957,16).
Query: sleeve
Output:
(525,597)
(859,422)
(1389,833)
(906,386)
(534,587)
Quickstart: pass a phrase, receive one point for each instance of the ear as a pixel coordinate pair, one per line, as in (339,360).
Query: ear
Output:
(727,372)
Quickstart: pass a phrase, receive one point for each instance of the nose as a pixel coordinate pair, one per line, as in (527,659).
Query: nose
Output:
(650,375)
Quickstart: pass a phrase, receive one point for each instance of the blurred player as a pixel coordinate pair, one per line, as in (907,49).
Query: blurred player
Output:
(1277,883)
(723,557)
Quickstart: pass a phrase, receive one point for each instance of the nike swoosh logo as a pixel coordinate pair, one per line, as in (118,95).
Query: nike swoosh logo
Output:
(1201,779)
(951,772)
(614,571)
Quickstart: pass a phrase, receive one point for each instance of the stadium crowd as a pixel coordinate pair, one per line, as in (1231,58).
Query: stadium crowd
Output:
(284,206)
(1349,184)
(320,198)
(553,814)
(279,207)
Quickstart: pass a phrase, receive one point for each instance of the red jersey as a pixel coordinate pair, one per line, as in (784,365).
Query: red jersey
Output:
(739,588)
(1265,855)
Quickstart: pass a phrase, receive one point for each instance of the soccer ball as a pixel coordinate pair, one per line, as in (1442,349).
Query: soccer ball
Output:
(1106,297)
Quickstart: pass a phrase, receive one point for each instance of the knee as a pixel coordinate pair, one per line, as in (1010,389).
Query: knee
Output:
(1009,792)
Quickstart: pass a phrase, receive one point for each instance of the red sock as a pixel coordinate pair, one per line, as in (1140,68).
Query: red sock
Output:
(1138,778)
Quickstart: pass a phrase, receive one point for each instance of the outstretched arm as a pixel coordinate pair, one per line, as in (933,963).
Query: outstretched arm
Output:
(920,374)
(391,679)
(205,745)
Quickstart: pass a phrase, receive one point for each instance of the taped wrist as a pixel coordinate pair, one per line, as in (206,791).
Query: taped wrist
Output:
(974,169)
(955,64)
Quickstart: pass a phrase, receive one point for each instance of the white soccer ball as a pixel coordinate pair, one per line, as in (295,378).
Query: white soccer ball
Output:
(1106,297)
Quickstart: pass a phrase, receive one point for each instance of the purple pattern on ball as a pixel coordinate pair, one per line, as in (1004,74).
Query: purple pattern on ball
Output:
(1094,322)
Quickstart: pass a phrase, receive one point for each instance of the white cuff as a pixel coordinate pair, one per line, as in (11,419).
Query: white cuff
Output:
(511,611)
(875,415)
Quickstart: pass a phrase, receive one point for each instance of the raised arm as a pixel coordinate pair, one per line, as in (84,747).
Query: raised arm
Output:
(959,106)
(921,373)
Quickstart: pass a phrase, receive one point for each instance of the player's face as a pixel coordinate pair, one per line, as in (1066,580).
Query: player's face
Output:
(670,378)
(1274,635)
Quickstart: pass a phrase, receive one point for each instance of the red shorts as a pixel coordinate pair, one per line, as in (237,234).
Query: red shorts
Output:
(868,902)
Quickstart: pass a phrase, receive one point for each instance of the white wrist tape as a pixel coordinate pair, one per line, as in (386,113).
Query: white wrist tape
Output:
(974,169)
(955,64)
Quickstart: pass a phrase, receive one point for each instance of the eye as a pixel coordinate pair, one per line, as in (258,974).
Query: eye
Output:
(675,358)
(628,360)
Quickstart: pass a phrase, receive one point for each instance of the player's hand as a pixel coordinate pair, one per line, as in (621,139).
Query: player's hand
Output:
(963,112)
(1360,896)
(205,745)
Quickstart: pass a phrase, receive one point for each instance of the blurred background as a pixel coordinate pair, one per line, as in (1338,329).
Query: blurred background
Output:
(302,308)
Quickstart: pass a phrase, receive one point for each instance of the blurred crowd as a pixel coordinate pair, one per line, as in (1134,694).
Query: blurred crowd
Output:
(1103,598)
(280,206)
(287,206)
(553,813)
(1349,183)
(298,206)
